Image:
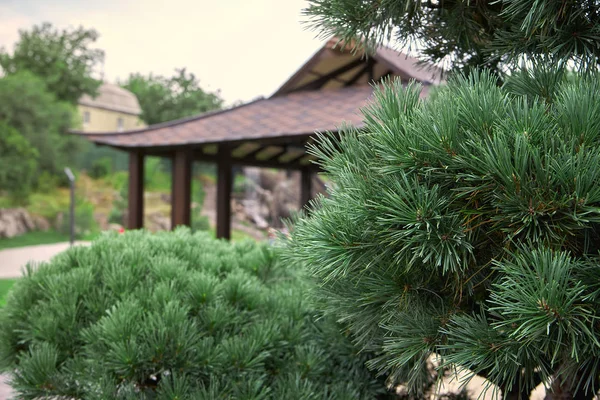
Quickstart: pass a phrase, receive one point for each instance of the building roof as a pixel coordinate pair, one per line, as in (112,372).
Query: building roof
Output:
(114,98)
(337,65)
(328,90)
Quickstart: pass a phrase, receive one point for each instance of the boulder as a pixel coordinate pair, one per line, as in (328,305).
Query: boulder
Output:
(157,222)
(59,220)
(41,223)
(115,227)
(102,220)
(15,222)
(286,199)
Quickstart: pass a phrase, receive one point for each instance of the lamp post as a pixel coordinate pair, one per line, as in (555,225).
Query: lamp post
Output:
(72,205)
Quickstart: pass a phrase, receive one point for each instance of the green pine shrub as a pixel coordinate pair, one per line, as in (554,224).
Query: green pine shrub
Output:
(85,223)
(468,226)
(101,167)
(174,316)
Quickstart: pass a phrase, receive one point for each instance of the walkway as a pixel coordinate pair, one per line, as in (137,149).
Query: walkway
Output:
(13,260)
(11,264)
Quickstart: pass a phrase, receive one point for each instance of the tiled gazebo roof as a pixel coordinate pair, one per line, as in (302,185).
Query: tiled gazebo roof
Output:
(293,114)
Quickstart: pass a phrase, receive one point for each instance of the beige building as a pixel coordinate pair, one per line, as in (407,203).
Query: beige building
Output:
(113,109)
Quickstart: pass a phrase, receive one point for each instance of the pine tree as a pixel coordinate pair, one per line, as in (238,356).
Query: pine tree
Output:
(467,34)
(467,226)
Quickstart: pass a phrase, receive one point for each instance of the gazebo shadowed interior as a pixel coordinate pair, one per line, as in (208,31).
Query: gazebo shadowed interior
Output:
(328,90)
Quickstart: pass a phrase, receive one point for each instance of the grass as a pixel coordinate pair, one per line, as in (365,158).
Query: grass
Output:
(38,237)
(33,238)
(5,285)
(236,235)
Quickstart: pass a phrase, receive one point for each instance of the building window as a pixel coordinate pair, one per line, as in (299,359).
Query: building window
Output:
(120,124)
(86,117)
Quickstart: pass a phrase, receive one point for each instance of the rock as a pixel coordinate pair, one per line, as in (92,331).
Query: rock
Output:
(102,220)
(157,222)
(252,208)
(115,227)
(286,199)
(166,197)
(41,223)
(268,179)
(59,220)
(15,222)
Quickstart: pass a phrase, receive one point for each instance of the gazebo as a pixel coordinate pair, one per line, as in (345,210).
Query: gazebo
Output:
(328,90)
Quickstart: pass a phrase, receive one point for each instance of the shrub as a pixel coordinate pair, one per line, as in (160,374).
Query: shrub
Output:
(47,183)
(174,316)
(200,222)
(101,168)
(468,225)
(85,222)
(18,163)
(119,204)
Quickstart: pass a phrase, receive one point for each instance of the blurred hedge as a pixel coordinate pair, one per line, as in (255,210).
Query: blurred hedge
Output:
(175,316)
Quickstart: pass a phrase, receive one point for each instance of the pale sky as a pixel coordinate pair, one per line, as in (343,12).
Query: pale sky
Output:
(245,48)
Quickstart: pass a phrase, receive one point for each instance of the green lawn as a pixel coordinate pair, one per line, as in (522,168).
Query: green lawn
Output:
(5,285)
(39,237)
(236,235)
(33,238)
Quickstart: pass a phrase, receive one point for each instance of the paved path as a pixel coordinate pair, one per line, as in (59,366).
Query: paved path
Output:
(11,264)
(13,260)
(5,392)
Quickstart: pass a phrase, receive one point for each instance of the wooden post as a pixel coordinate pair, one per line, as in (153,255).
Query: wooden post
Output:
(181,187)
(224,187)
(135,206)
(305,186)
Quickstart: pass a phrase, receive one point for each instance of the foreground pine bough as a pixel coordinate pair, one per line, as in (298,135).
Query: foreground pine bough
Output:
(467,225)
(175,316)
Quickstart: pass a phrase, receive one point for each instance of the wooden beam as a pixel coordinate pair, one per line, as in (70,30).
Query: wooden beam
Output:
(181,187)
(252,154)
(244,162)
(135,201)
(371,70)
(291,157)
(318,83)
(244,149)
(305,187)
(224,187)
(320,75)
(386,75)
(357,76)
(270,155)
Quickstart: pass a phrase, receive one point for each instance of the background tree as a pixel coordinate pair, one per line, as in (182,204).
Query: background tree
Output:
(63,59)
(18,163)
(33,112)
(467,34)
(165,99)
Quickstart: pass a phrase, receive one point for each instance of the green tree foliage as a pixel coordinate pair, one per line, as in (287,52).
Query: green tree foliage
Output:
(63,59)
(174,316)
(468,34)
(101,167)
(27,106)
(18,163)
(165,99)
(468,226)
(85,223)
